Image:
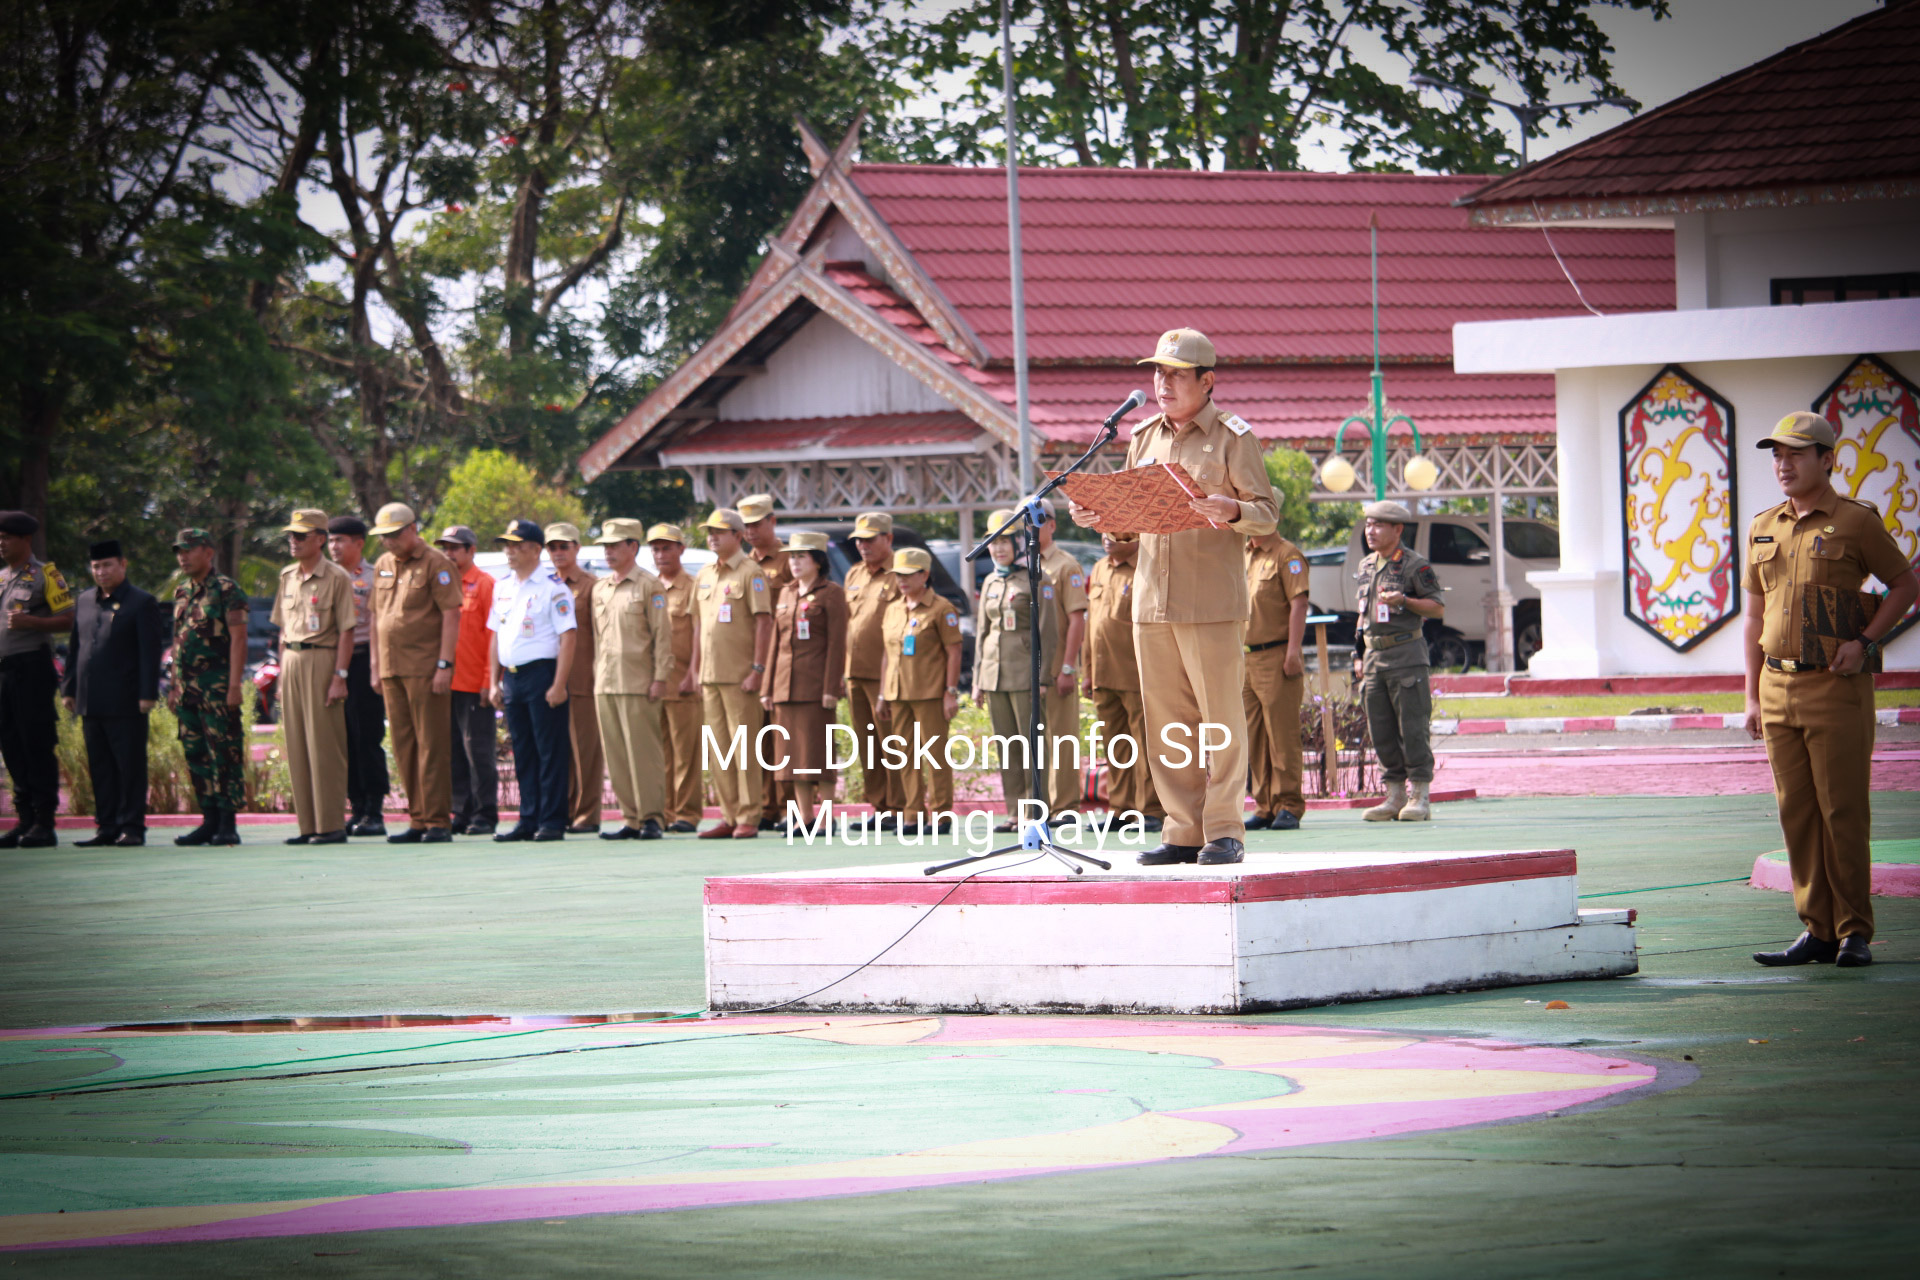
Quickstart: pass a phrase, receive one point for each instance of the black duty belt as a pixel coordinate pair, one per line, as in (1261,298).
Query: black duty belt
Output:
(1791,667)
(529,664)
(1262,648)
(302,646)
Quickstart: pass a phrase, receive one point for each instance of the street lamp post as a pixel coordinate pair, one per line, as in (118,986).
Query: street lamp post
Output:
(1528,113)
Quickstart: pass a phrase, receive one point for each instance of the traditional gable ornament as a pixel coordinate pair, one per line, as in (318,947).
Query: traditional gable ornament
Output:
(1876,415)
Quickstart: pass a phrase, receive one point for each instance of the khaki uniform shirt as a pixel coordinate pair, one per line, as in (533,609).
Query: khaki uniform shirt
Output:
(1063,571)
(37,590)
(581,676)
(408,598)
(1837,544)
(1197,575)
(632,633)
(1397,636)
(314,608)
(1003,644)
(775,569)
(680,618)
(728,595)
(808,668)
(868,595)
(1274,580)
(935,628)
(1110,658)
(362,580)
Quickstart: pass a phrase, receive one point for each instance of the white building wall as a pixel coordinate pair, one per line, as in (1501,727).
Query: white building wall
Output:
(1730,257)
(825,371)
(1584,625)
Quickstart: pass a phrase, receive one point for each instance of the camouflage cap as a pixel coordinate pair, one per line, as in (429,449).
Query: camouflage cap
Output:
(1801,430)
(192,538)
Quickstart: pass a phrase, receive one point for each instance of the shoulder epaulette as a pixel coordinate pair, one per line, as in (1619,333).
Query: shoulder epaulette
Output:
(1235,423)
(1861,502)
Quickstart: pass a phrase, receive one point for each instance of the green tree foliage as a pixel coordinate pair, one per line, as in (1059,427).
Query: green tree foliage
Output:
(1306,524)
(1237,84)
(490,488)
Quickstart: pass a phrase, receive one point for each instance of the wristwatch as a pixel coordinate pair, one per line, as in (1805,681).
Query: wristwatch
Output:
(442,665)
(1869,647)
(954,689)
(339,673)
(1066,668)
(756,666)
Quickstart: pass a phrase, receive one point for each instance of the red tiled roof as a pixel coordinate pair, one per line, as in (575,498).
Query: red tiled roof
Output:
(1841,108)
(1271,266)
(874,433)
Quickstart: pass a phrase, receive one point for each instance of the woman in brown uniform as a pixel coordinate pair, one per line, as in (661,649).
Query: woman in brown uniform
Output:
(920,687)
(806,674)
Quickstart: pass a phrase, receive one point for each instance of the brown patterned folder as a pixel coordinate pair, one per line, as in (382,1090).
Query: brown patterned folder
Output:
(1829,617)
(1146,499)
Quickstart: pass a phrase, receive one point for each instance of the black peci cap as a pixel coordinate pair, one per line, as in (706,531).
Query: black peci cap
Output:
(108,550)
(352,526)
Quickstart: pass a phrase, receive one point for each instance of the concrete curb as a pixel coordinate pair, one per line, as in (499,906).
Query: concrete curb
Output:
(1890,879)
(1637,724)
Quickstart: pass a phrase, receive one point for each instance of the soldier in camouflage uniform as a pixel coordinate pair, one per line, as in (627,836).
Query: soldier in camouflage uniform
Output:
(207,678)
(35,604)
(1398,592)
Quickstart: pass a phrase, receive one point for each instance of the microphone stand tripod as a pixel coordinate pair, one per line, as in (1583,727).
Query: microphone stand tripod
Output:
(1036,836)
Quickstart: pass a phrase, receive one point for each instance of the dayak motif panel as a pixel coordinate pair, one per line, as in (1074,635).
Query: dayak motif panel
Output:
(1876,414)
(1677,485)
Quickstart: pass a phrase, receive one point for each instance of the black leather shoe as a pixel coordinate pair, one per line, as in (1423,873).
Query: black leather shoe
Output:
(202,834)
(1806,949)
(11,840)
(1854,953)
(584,828)
(368,827)
(649,830)
(432,835)
(1258,823)
(1165,854)
(229,834)
(1285,820)
(298,840)
(480,828)
(38,838)
(329,837)
(773,824)
(130,840)
(1226,849)
(97,839)
(884,821)
(513,835)
(459,828)
(620,833)
(682,827)
(412,835)
(550,833)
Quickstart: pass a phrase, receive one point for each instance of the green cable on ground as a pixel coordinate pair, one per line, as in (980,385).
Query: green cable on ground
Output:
(361,1053)
(1616,893)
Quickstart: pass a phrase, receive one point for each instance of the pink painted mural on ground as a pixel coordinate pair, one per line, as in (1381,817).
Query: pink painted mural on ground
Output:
(1677,487)
(1876,414)
(955,1100)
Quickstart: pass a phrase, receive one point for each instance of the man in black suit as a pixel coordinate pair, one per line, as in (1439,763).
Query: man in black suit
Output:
(112,682)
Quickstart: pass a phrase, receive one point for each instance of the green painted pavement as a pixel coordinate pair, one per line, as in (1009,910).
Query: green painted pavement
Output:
(1883,851)
(1799,1155)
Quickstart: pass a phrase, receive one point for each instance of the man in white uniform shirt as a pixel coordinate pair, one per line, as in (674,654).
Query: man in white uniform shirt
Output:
(532,651)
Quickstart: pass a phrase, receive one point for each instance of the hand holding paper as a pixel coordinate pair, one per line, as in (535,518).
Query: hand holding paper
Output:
(1157,498)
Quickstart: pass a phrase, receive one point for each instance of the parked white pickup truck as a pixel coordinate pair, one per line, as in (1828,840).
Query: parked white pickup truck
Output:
(1459,547)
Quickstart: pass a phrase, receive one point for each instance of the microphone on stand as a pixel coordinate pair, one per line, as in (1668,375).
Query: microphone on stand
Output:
(1111,427)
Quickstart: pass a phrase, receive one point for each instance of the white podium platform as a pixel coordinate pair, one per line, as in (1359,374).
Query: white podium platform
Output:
(1277,931)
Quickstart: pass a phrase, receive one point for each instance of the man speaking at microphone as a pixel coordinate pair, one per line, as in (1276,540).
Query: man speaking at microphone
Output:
(1190,605)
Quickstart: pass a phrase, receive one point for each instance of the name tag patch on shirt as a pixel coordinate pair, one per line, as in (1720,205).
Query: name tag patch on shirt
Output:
(726,612)
(802,629)
(1767,537)
(906,644)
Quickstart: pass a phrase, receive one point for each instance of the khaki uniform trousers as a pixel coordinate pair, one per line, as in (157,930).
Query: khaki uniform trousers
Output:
(680,748)
(1191,674)
(587,773)
(1120,711)
(1012,716)
(930,715)
(1272,699)
(882,787)
(729,707)
(316,740)
(629,725)
(1819,732)
(420,723)
(1063,716)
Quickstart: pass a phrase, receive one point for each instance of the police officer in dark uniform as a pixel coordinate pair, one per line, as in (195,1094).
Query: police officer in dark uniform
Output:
(34,605)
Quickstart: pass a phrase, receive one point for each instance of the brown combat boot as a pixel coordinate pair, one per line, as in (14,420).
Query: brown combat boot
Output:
(1389,809)
(1420,808)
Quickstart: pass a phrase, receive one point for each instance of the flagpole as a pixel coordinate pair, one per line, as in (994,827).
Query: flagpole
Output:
(1013,254)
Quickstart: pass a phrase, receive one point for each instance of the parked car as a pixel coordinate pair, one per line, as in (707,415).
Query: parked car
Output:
(1459,548)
